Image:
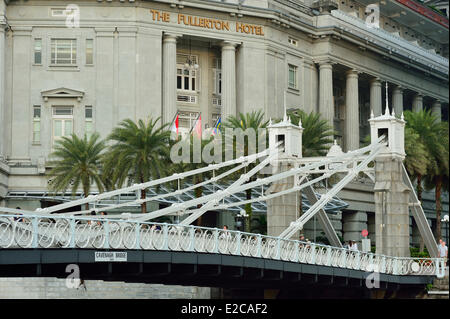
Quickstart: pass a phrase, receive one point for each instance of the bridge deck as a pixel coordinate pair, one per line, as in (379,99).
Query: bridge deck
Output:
(61,235)
(192,268)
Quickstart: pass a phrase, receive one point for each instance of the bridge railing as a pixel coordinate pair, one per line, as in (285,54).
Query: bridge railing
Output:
(18,231)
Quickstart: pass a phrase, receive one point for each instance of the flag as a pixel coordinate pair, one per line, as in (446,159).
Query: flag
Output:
(175,125)
(197,130)
(217,126)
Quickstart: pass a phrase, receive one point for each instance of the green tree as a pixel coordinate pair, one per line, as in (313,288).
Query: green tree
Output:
(317,133)
(317,136)
(255,121)
(139,151)
(190,165)
(416,160)
(77,161)
(434,136)
(438,175)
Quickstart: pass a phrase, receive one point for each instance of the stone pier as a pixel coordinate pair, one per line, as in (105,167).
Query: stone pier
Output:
(282,210)
(391,209)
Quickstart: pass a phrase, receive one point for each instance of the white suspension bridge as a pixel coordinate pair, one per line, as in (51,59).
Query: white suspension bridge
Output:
(47,228)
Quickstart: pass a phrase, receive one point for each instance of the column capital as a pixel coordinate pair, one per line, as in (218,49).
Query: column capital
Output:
(229,45)
(352,73)
(171,37)
(436,102)
(418,95)
(375,81)
(324,63)
(398,88)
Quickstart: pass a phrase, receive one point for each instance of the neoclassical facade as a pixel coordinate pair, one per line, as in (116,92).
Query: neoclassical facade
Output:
(85,66)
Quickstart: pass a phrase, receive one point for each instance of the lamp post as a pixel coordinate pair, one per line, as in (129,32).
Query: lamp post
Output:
(240,220)
(445,221)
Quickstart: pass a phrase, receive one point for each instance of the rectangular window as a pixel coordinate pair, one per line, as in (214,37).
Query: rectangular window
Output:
(62,122)
(89,51)
(292,80)
(36,124)
(187,74)
(37,51)
(63,51)
(217,76)
(89,127)
(186,79)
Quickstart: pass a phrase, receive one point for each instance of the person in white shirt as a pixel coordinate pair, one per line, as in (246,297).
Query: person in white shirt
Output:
(354,246)
(443,251)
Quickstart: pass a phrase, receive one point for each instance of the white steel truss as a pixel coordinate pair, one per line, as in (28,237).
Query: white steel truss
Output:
(321,168)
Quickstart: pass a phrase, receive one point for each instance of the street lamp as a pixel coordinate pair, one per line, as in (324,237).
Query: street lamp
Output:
(240,220)
(445,220)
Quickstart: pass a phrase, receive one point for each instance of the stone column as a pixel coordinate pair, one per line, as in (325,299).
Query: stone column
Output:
(353,224)
(417,103)
(375,96)
(228,79)
(326,92)
(436,109)
(169,85)
(351,111)
(397,100)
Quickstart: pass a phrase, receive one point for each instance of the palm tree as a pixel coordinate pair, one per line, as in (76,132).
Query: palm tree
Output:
(255,121)
(77,161)
(184,167)
(434,136)
(139,151)
(416,160)
(317,133)
(438,175)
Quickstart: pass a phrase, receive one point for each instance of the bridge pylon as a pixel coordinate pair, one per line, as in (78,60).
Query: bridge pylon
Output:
(283,210)
(390,192)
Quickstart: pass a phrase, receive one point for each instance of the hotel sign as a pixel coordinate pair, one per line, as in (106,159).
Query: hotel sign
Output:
(207,23)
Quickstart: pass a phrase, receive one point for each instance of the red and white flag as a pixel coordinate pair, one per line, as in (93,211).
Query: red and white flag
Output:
(175,126)
(198,127)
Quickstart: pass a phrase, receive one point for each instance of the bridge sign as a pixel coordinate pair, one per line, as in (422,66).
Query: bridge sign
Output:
(364,233)
(110,256)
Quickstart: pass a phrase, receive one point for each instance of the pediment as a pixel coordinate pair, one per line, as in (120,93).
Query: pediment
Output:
(62,93)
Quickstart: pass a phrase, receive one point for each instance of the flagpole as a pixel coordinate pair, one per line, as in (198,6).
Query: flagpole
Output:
(196,121)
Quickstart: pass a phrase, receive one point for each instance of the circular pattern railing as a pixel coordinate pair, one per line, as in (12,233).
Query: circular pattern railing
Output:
(83,232)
